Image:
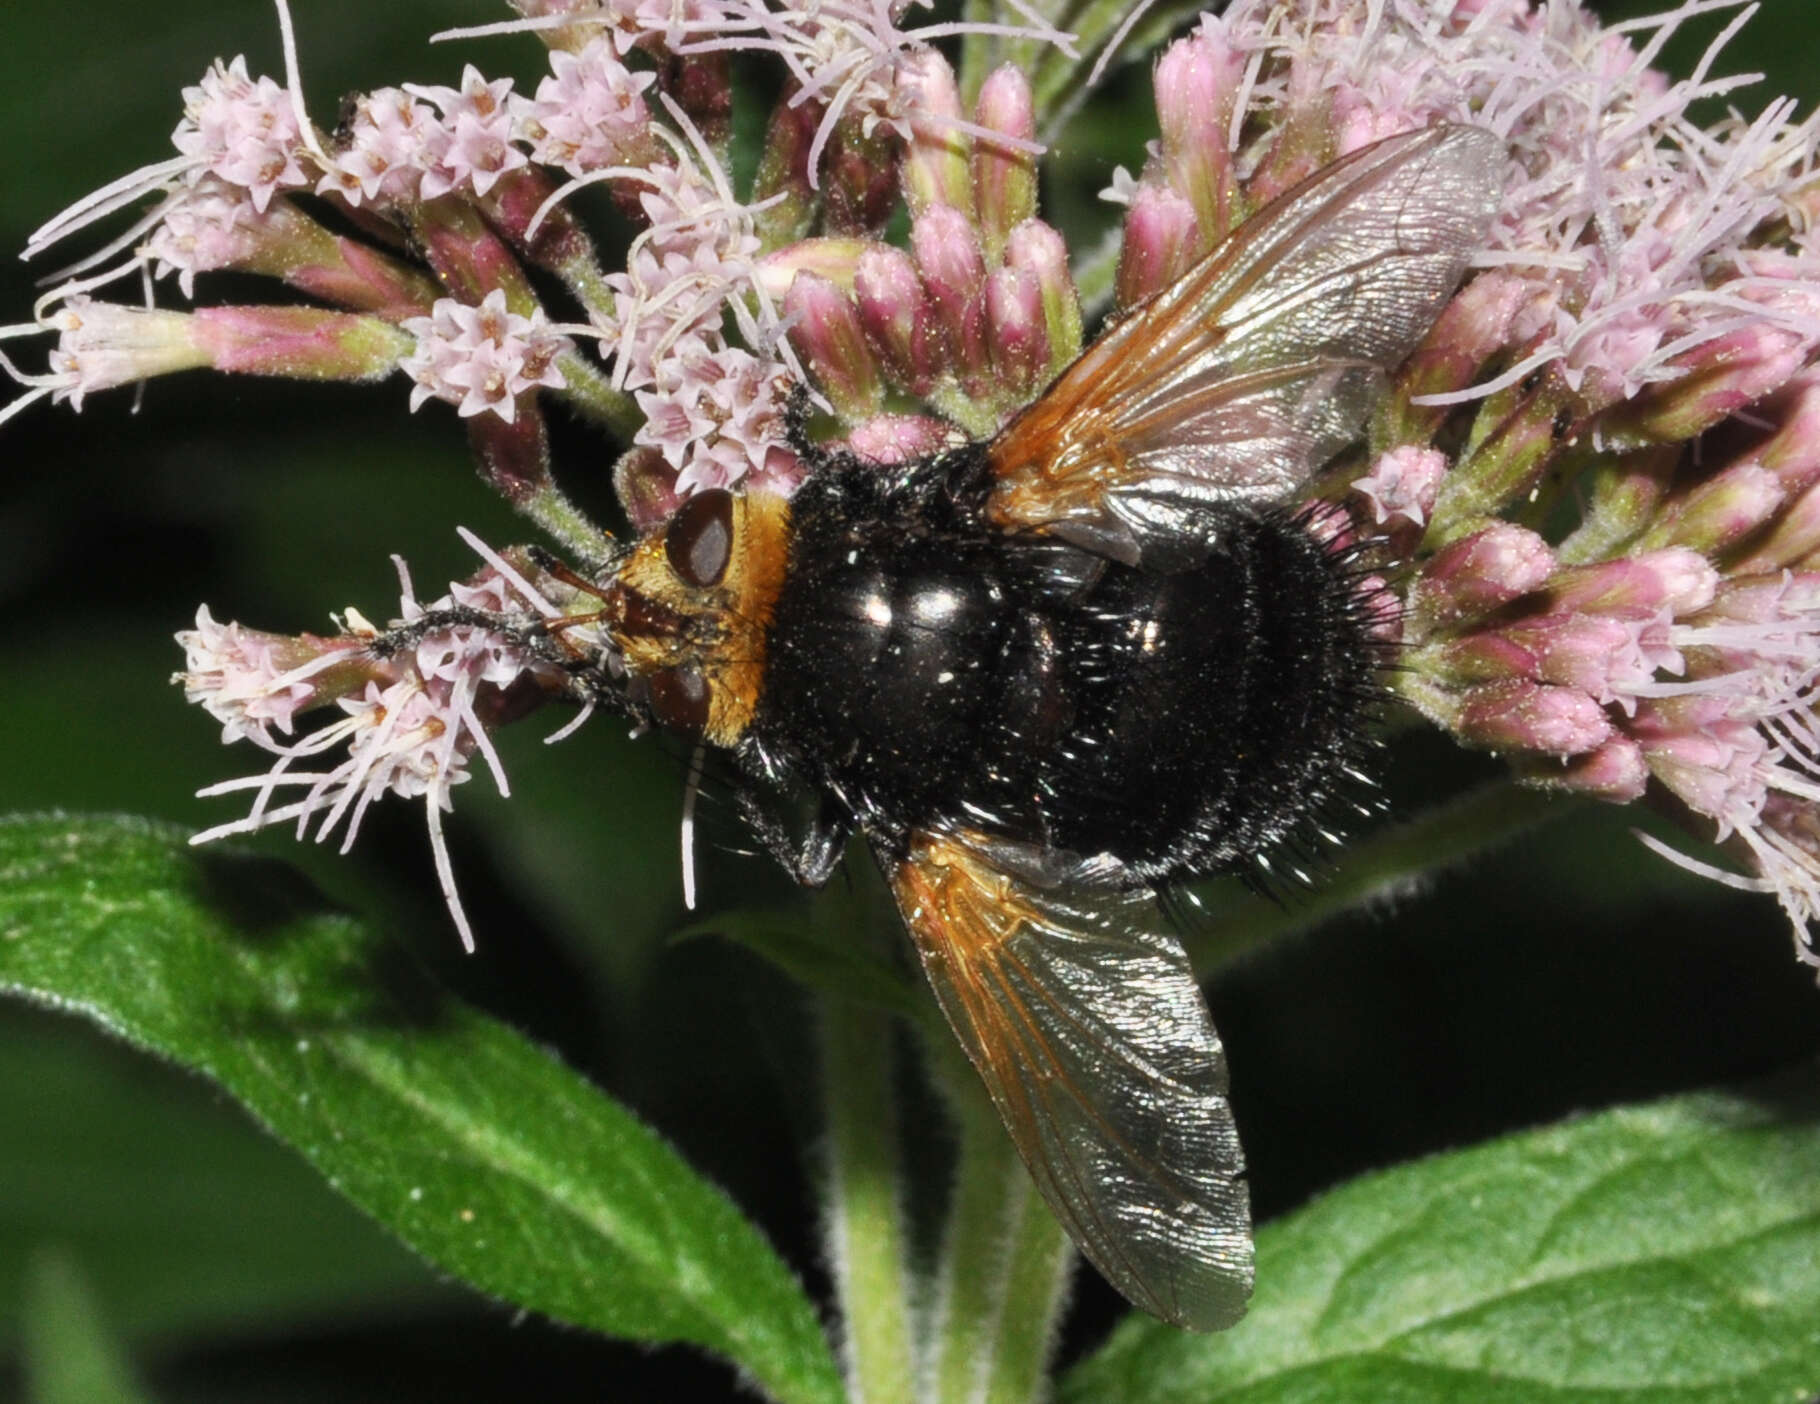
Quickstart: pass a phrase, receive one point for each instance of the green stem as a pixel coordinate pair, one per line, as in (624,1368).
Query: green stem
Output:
(1385,865)
(868,1242)
(1004,1266)
(563,522)
(1036,1290)
(590,393)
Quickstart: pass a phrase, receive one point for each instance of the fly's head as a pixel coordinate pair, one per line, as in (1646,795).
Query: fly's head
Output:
(687,610)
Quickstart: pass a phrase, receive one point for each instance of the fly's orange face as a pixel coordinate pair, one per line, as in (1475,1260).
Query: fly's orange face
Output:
(690,607)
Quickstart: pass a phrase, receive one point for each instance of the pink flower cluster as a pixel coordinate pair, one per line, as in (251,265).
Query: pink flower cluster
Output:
(481,359)
(1639,337)
(413,714)
(1594,484)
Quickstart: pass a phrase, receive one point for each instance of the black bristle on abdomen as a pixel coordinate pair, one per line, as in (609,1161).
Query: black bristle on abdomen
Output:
(1236,734)
(1326,598)
(933,673)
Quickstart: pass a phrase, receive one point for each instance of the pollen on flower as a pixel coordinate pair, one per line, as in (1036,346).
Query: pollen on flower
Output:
(477,121)
(244,130)
(589,113)
(481,359)
(716,415)
(390,143)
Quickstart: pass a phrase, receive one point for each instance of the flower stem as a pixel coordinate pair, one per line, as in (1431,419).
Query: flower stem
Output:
(1036,1289)
(564,522)
(591,394)
(867,1237)
(1005,1263)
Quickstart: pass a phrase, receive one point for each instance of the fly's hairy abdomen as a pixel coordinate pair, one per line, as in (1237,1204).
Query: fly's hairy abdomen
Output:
(930,671)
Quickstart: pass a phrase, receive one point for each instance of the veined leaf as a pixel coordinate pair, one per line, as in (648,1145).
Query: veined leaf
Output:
(478,1149)
(185,1219)
(1661,1254)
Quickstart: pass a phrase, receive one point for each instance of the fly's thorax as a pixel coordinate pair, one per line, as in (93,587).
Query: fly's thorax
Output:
(690,608)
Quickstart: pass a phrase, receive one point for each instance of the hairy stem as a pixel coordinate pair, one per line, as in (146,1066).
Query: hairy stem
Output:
(590,393)
(866,1232)
(1005,1263)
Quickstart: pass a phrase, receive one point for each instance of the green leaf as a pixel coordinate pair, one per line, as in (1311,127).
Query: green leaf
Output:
(185,1218)
(476,1148)
(71,1355)
(1661,1253)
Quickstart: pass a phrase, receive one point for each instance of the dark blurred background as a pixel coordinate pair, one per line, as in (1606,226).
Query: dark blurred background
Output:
(1568,970)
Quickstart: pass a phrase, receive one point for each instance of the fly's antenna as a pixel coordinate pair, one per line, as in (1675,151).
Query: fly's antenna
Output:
(691,791)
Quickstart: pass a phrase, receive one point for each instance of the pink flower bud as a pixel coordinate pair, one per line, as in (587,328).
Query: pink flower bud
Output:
(1476,657)
(1598,655)
(1037,249)
(1160,239)
(954,271)
(1718,512)
(1481,321)
(1622,494)
(1713,380)
(1004,178)
(1615,771)
(1197,81)
(1677,580)
(302,342)
(781,472)
(896,316)
(1360,116)
(646,486)
(1506,465)
(107,344)
(1476,575)
(862,181)
(783,171)
(825,329)
(935,168)
(836,260)
(1770,599)
(1793,537)
(899,438)
(1014,329)
(1712,769)
(1793,451)
(1524,716)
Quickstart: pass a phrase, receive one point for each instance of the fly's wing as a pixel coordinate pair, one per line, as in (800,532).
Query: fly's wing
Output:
(1082,1016)
(1260,363)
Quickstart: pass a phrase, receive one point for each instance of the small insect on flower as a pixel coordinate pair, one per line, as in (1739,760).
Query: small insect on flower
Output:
(1050,674)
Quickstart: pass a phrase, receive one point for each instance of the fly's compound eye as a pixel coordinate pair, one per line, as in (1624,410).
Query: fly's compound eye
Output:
(679,699)
(699,540)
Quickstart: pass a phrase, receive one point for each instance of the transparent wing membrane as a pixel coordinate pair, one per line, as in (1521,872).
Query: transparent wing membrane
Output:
(1082,1016)
(1260,363)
